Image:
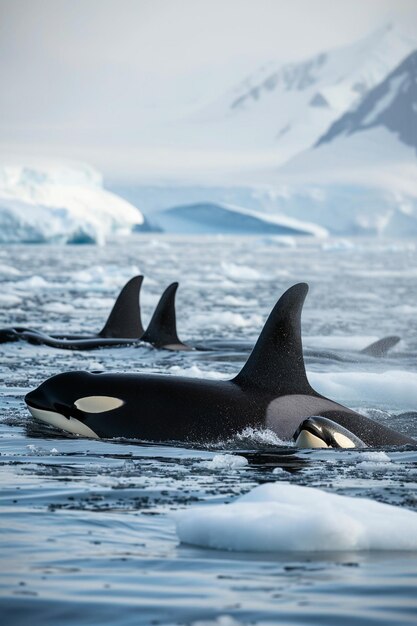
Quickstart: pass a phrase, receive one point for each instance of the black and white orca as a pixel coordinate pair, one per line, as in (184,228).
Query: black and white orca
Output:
(271,391)
(321,432)
(123,326)
(124,321)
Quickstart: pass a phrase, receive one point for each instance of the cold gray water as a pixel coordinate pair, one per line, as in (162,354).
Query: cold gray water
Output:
(87,534)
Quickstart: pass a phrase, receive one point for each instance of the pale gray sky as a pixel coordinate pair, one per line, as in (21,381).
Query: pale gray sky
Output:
(81,69)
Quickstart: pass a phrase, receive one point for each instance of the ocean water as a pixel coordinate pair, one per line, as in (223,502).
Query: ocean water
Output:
(87,534)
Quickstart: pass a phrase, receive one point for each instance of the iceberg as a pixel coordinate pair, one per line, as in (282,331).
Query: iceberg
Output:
(219,218)
(60,203)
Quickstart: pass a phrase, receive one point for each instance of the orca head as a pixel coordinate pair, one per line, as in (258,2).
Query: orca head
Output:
(320,432)
(67,400)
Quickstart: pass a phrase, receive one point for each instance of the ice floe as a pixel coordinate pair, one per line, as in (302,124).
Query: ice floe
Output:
(277,517)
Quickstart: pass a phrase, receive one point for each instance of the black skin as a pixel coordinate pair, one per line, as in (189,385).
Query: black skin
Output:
(168,408)
(123,327)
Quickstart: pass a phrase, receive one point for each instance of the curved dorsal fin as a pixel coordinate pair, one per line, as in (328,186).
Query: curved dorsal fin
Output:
(124,320)
(381,347)
(162,329)
(276,363)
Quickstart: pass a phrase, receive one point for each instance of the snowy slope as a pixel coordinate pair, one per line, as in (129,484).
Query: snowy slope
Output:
(361,178)
(392,105)
(287,108)
(225,218)
(59,202)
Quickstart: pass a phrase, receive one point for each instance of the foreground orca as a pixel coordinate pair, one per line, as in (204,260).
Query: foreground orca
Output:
(271,391)
(123,327)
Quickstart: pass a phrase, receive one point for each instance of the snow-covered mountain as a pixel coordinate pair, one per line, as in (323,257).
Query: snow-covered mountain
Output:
(285,109)
(361,176)
(59,202)
(392,104)
(338,135)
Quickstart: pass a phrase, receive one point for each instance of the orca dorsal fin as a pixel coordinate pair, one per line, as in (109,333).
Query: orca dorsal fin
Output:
(124,320)
(381,347)
(276,363)
(162,329)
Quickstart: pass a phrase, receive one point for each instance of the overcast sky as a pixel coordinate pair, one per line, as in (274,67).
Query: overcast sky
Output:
(69,67)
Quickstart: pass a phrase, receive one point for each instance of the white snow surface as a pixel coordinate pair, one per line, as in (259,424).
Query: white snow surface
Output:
(279,516)
(59,202)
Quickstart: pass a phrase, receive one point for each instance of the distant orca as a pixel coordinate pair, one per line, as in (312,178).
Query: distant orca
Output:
(271,391)
(377,349)
(124,321)
(123,327)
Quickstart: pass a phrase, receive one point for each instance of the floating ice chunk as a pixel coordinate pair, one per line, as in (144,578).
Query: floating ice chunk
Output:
(279,470)
(240,272)
(58,307)
(284,517)
(35,282)
(8,270)
(8,300)
(225,461)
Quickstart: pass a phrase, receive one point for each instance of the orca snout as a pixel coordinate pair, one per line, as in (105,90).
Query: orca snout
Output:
(320,432)
(35,399)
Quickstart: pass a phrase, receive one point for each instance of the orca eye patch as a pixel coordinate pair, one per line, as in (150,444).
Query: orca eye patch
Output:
(98,404)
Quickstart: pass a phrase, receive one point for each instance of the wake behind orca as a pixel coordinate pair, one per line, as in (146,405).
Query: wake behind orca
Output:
(271,391)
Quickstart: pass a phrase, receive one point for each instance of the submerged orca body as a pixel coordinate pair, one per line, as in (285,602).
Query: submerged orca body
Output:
(377,349)
(271,391)
(123,326)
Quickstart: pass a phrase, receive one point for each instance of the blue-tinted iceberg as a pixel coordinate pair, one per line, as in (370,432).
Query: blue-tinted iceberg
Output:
(62,203)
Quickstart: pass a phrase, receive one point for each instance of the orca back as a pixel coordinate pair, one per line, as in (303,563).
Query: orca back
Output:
(276,363)
(124,320)
(162,329)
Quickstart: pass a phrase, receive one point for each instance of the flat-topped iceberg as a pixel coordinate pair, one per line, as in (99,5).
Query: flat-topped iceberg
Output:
(219,218)
(60,203)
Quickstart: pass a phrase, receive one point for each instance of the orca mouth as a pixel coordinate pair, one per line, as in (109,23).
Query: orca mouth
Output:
(69,419)
(68,424)
(321,432)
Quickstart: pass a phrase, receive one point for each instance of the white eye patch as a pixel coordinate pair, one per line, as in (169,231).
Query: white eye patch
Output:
(343,441)
(98,404)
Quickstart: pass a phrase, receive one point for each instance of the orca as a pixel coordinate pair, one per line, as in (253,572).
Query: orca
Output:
(124,321)
(377,349)
(321,432)
(123,326)
(271,391)
(381,347)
